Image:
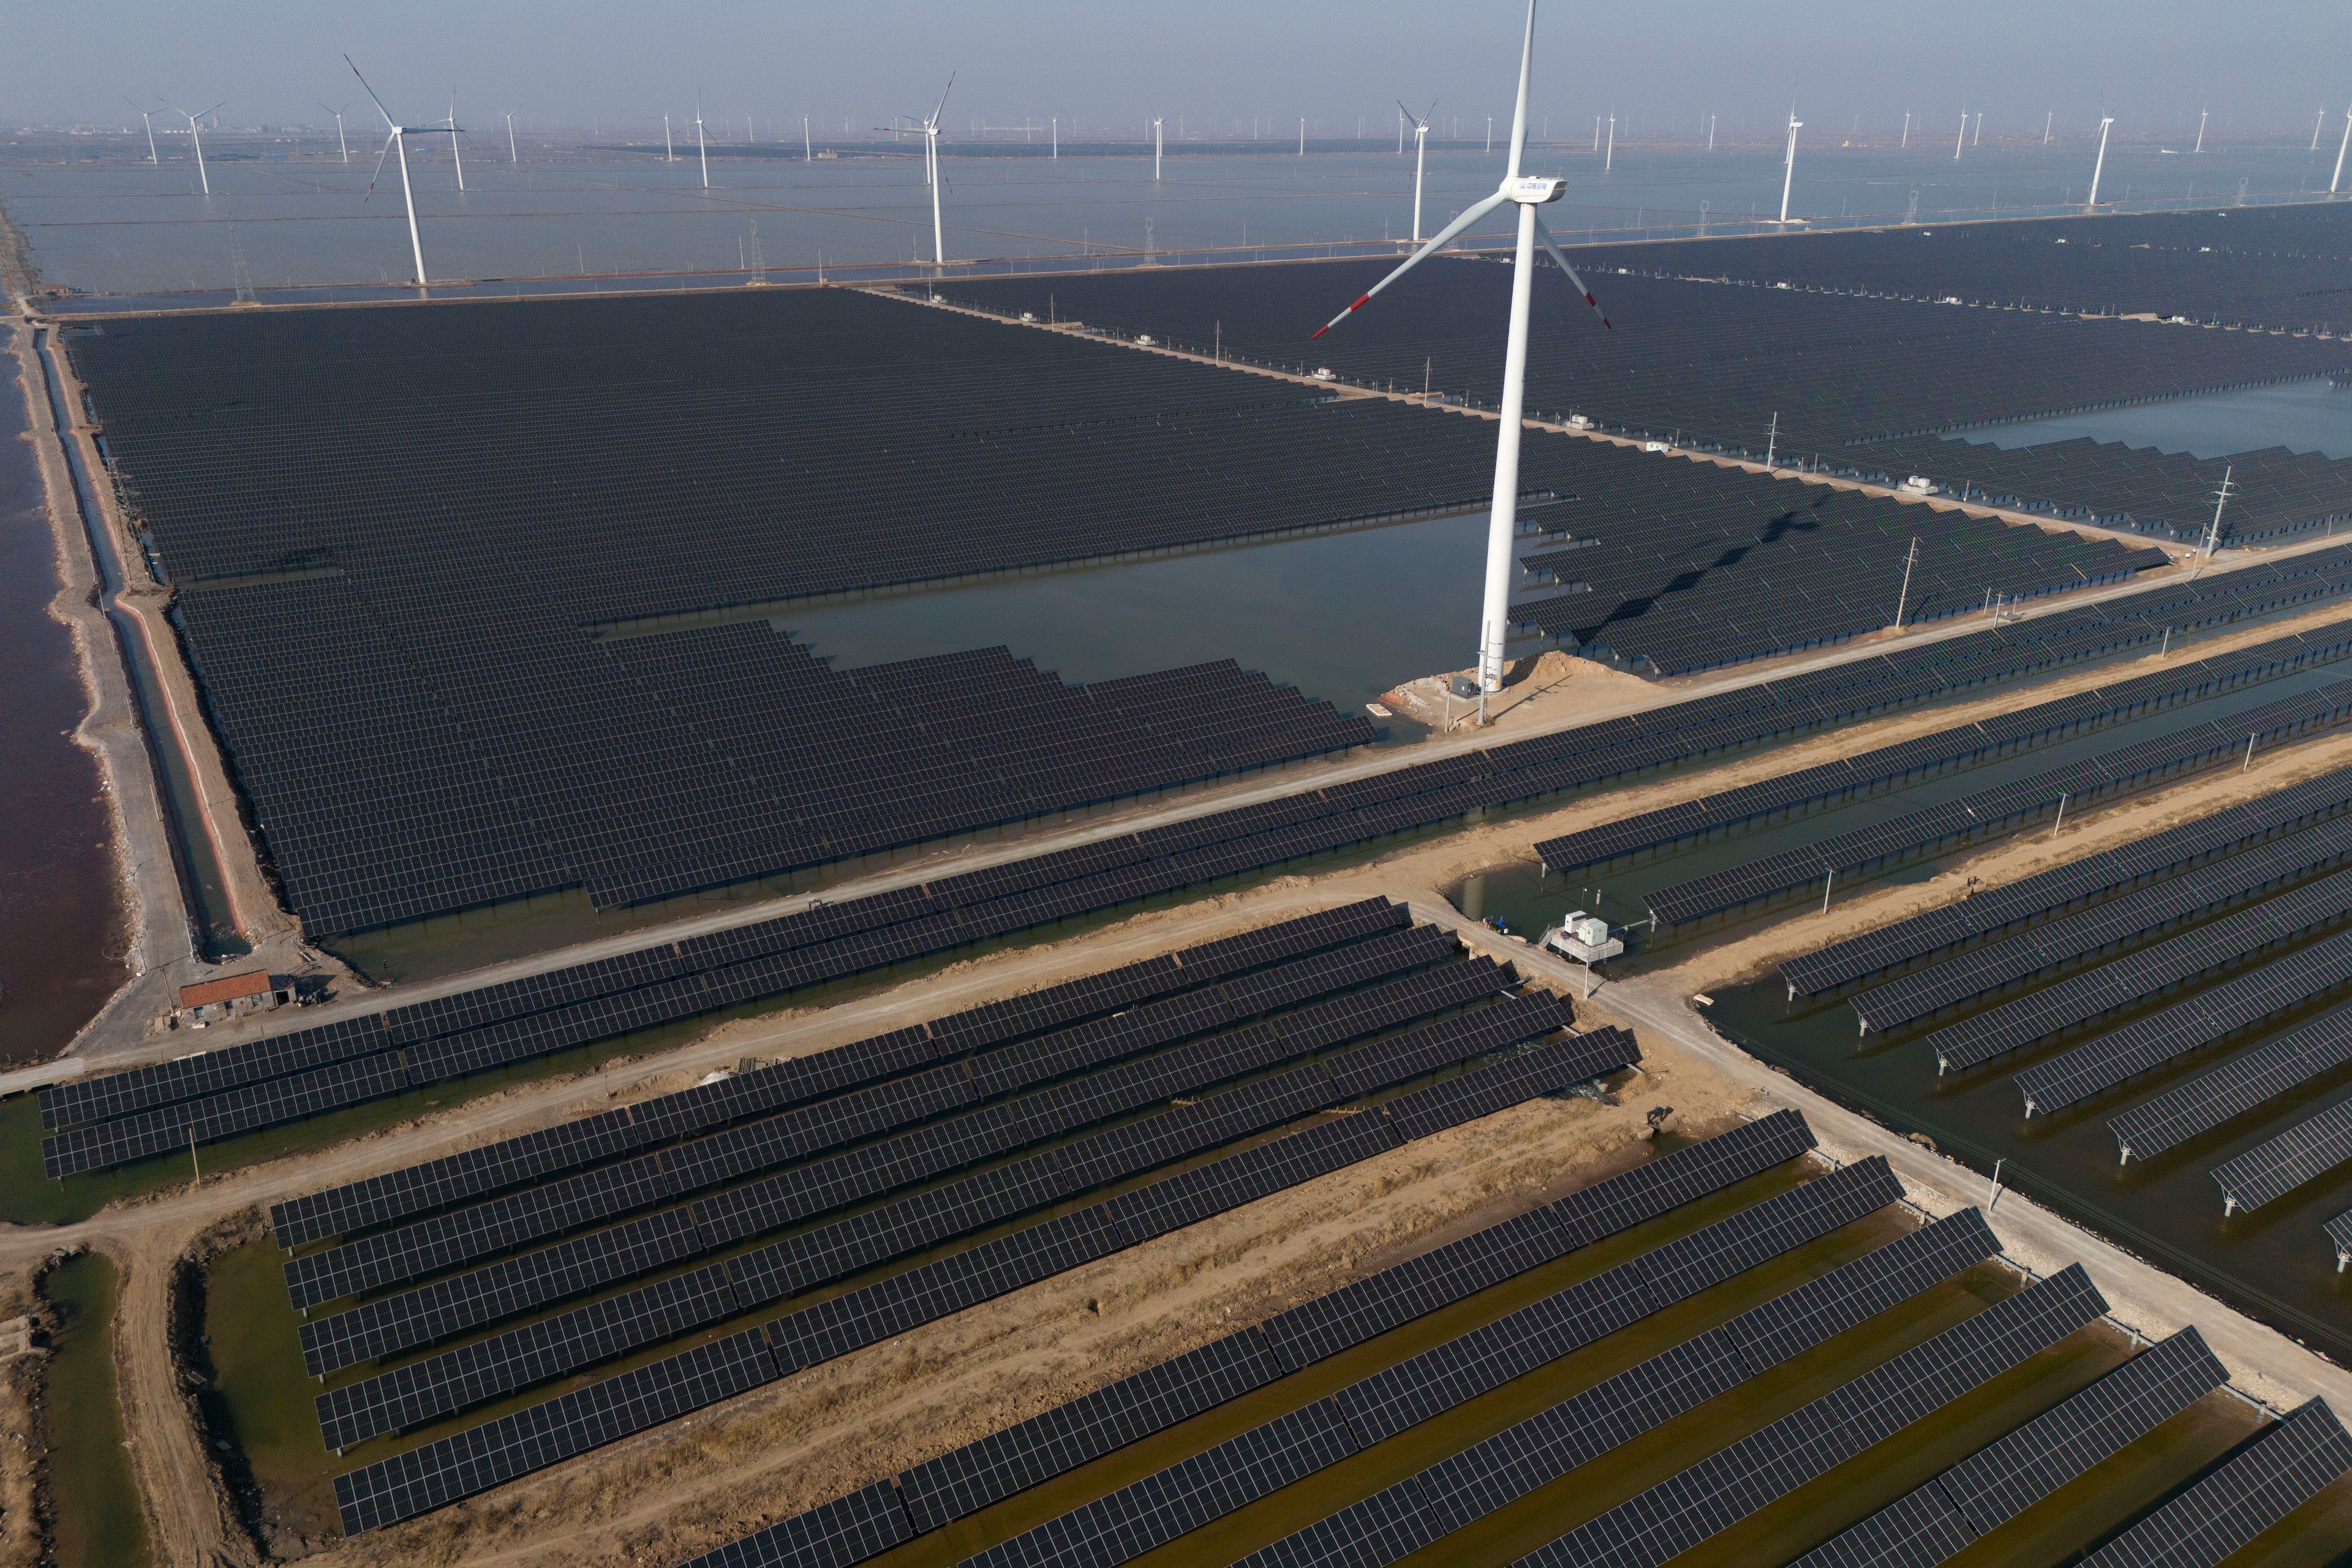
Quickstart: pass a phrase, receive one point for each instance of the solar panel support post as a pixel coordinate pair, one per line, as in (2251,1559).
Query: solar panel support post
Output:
(1993,1202)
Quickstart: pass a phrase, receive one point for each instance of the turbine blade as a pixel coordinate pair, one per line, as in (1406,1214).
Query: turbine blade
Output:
(943,97)
(1443,235)
(380,108)
(1520,114)
(380,157)
(1561,262)
(222,104)
(1409,114)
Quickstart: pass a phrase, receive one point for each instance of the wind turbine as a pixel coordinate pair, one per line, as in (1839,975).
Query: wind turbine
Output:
(930,130)
(147,121)
(2318,121)
(454,156)
(2339,153)
(700,145)
(2102,163)
(197,138)
(669,153)
(1420,154)
(513,156)
(1527,191)
(397,143)
(1788,174)
(1156,146)
(339,142)
(1963,138)
(2202,115)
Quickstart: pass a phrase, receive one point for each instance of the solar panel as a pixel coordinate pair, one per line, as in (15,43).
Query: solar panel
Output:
(1999,1481)
(2243,1083)
(836,1535)
(2280,1164)
(2230,1507)
(1735,1481)
(2164,1036)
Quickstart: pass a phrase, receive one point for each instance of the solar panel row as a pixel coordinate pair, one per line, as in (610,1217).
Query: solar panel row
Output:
(1735,1481)
(1938,829)
(533,1157)
(2139,978)
(1492,1474)
(1999,1481)
(2278,1165)
(2212,1015)
(479,1457)
(1123,1524)
(2067,941)
(454,1238)
(830,942)
(2210,1521)
(2244,1082)
(1654,832)
(1998,911)
(964,1480)
(555,1346)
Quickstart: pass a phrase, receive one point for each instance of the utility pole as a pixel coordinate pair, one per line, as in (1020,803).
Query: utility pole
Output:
(1904,603)
(1772,439)
(2220,500)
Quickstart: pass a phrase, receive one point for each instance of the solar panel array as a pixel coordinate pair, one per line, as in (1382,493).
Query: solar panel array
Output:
(2240,266)
(1711,360)
(2134,979)
(1940,829)
(2002,1480)
(2245,1082)
(2067,941)
(2165,1036)
(2283,1162)
(536,1156)
(475,1031)
(1499,1470)
(1122,1525)
(2204,1525)
(1886,767)
(478,1458)
(1996,911)
(1735,1481)
(966,1479)
(615,1325)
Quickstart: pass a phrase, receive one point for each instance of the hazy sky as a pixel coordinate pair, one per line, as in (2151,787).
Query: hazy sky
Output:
(2260,65)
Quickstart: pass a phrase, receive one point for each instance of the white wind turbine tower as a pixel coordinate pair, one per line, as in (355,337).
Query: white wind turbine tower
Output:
(196,137)
(1157,147)
(344,147)
(147,121)
(454,155)
(508,115)
(2318,121)
(1788,173)
(1420,156)
(397,143)
(1527,191)
(1963,138)
(2202,115)
(700,145)
(2100,164)
(669,153)
(2341,149)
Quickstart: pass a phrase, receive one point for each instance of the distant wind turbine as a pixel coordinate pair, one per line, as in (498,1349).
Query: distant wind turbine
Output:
(2340,152)
(454,156)
(1788,173)
(2318,121)
(196,138)
(2202,115)
(339,142)
(2102,163)
(397,144)
(669,153)
(1156,147)
(147,121)
(1527,191)
(700,145)
(1963,138)
(513,156)
(1420,156)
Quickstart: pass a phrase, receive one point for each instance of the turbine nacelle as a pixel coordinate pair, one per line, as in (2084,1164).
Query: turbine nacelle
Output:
(1535,190)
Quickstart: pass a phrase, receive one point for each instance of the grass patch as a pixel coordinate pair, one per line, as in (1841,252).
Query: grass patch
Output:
(260,1398)
(99,1523)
